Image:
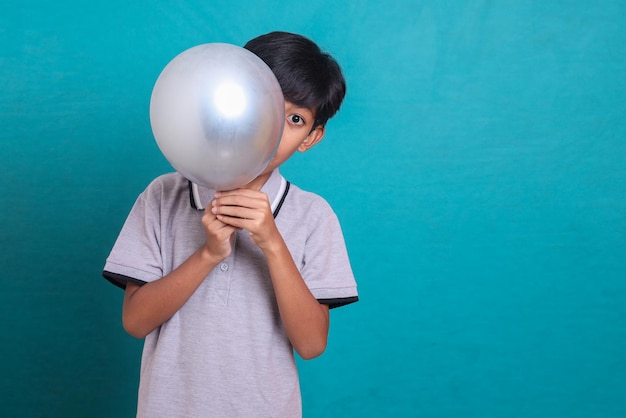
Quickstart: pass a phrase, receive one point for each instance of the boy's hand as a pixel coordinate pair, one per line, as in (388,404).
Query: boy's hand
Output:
(218,235)
(250,210)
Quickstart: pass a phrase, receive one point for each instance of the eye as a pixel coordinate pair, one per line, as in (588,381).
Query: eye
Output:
(296,119)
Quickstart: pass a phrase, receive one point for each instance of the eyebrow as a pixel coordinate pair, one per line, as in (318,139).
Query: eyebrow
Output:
(306,110)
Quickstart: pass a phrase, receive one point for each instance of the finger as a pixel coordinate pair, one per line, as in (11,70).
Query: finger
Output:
(240,192)
(257,200)
(212,224)
(233,222)
(236,212)
(236,201)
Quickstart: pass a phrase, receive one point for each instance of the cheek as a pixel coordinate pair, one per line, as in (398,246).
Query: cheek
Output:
(287,146)
(279,157)
(282,155)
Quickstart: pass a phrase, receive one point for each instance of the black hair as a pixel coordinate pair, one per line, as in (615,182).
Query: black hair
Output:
(308,76)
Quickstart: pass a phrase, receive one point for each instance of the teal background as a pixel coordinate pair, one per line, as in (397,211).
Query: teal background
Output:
(477,166)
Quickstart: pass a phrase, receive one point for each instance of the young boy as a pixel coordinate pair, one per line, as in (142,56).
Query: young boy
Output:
(224,295)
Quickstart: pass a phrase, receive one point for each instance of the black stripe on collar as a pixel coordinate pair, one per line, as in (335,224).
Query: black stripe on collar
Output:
(192,201)
(282,199)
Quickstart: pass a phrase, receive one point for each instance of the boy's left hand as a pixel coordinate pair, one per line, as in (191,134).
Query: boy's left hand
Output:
(250,210)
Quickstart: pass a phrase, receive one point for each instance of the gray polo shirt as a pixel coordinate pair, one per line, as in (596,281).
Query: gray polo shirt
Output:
(225,352)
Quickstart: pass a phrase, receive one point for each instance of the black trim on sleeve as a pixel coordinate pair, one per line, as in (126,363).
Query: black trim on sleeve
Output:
(120,280)
(338,302)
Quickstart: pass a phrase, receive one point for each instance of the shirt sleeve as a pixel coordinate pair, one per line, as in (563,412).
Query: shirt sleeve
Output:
(327,270)
(136,255)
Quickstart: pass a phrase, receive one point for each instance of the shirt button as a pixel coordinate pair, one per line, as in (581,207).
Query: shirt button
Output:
(224,266)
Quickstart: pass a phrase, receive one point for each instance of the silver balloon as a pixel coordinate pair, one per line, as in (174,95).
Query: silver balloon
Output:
(217,114)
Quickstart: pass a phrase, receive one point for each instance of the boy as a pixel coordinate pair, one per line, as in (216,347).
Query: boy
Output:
(225,295)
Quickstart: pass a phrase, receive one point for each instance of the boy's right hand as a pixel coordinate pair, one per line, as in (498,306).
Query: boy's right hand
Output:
(219,236)
(149,306)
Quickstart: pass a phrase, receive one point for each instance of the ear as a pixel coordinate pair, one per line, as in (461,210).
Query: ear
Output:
(313,138)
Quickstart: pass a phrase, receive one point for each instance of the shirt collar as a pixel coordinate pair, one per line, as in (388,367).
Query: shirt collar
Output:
(274,188)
